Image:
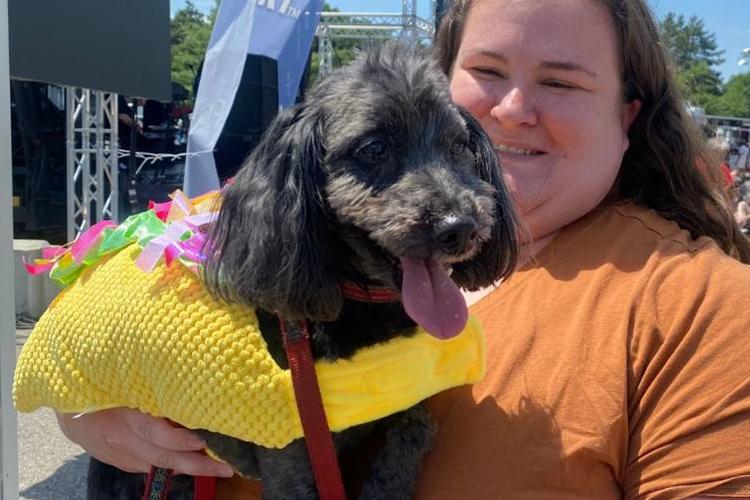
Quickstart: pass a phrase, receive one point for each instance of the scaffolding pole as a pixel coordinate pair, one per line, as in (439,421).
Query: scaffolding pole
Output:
(92,158)
(371,26)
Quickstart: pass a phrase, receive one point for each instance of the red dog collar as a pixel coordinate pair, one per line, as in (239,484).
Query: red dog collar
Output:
(368,294)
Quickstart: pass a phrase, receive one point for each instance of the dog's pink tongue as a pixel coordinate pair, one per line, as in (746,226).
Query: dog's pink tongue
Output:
(432,299)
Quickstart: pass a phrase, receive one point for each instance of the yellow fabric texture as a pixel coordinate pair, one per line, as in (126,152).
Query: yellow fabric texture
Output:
(617,369)
(159,342)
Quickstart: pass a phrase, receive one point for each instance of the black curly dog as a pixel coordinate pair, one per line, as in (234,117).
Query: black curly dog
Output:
(377,179)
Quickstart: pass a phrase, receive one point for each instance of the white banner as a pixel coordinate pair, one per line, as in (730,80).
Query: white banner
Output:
(279,29)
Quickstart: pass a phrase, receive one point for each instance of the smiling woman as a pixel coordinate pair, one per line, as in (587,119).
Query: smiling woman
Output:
(616,353)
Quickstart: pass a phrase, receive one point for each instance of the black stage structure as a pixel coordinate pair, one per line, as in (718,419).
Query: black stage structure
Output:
(56,46)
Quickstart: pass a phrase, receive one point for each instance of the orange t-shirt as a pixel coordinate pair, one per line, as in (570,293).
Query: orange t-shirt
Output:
(618,367)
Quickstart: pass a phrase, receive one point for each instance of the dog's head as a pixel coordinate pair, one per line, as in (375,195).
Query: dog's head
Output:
(377,177)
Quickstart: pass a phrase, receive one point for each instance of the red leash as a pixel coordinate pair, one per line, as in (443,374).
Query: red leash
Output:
(205,487)
(310,405)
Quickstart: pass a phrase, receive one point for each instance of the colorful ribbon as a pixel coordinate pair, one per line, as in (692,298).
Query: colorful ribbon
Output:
(172,230)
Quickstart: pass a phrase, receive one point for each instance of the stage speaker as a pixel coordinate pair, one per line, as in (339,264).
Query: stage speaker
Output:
(255,105)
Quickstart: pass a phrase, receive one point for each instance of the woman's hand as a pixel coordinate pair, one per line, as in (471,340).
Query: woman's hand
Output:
(133,441)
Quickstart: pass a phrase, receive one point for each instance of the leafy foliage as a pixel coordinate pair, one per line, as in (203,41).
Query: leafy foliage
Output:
(688,41)
(699,83)
(190,31)
(695,53)
(735,101)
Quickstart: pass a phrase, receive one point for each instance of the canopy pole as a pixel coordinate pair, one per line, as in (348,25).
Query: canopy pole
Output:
(8,422)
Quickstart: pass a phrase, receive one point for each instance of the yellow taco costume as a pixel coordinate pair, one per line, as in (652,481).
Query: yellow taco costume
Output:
(157,341)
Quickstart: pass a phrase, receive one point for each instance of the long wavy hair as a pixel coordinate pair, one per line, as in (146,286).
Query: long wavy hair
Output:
(668,165)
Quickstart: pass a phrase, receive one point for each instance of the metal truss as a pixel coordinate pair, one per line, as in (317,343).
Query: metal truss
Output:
(371,26)
(92,158)
(325,48)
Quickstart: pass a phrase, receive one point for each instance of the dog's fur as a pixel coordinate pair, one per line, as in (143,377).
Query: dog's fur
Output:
(375,165)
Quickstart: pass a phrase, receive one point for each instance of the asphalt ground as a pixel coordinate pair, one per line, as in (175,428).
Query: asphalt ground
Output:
(49,466)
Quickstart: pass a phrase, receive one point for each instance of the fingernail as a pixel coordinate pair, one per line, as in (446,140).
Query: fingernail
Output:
(225,471)
(196,442)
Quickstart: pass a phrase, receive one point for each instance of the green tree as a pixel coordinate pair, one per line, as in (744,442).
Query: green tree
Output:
(190,30)
(735,101)
(689,42)
(695,54)
(699,83)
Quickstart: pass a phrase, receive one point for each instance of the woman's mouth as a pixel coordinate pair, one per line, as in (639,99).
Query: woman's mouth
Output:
(505,149)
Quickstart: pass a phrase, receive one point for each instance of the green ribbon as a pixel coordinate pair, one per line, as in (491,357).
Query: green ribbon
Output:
(139,228)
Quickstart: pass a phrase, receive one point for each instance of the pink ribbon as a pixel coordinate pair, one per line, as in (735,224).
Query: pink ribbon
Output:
(192,248)
(52,251)
(37,268)
(88,239)
(171,253)
(181,206)
(166,244)
(47,262)
(198,220)
(160,209)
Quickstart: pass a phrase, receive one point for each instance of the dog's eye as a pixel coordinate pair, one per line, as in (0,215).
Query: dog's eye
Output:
(458,148)
(371,151)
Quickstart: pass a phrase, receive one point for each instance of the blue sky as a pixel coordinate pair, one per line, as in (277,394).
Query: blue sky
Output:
(728,19)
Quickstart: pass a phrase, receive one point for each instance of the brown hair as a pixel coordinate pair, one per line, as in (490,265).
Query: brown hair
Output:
(660,168)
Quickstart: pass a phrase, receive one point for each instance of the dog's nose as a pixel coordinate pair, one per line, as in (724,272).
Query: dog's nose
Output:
(456,235)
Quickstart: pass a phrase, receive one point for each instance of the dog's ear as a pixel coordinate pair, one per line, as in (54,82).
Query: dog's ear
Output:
(269,247)
(498,256)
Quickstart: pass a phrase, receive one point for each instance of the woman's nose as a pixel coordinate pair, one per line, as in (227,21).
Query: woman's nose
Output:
(515,108)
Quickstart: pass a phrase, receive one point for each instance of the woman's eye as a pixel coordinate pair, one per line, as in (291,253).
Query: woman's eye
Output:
(372,151)
(488,72)
(559,85)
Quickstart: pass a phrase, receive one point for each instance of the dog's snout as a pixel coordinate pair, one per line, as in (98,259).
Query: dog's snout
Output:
(456,235)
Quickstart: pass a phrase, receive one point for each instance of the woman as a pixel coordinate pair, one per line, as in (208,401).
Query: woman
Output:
(617,353)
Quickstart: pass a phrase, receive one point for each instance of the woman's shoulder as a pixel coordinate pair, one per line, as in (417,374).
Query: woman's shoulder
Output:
(625,248)
(676,277)
(626,252)
(667,242)
(630,234)
(640,225)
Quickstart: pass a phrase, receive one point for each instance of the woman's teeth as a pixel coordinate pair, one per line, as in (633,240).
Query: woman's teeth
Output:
(509,149)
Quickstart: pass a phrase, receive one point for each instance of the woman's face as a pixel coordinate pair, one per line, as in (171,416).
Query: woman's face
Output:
(543,78)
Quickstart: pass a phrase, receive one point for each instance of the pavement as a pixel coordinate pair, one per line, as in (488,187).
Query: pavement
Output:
(49,466)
